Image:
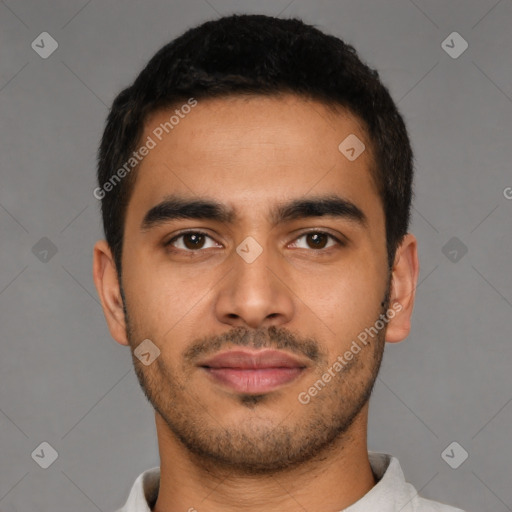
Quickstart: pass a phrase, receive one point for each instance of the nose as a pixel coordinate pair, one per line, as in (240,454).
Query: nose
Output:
(255,293)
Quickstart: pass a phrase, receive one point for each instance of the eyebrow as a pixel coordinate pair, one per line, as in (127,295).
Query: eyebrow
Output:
(177,207)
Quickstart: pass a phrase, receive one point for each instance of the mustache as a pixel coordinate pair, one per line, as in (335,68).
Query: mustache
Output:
(278,338)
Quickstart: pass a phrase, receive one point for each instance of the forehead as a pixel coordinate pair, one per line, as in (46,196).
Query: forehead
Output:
(252,151)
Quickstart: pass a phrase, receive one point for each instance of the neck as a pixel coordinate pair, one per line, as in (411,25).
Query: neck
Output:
(337,478)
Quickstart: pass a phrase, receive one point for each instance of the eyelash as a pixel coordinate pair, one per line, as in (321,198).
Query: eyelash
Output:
(182,234)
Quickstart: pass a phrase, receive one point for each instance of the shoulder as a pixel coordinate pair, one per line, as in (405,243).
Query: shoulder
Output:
(424,505)
(393,489)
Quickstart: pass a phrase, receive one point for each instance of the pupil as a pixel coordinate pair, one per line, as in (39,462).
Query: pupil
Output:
(194,240)
(317,239)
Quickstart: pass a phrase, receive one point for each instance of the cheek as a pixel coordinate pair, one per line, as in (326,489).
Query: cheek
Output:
(344,304)
(164,302)
(347,298)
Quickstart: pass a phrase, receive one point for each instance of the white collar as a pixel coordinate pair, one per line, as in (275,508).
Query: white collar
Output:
(391,493)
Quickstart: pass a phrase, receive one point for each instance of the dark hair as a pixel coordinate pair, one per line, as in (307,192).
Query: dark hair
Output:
(257,54)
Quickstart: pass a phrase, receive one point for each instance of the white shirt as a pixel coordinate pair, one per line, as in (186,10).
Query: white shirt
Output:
(391,493)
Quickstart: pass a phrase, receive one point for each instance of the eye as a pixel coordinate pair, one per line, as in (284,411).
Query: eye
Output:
(191,241)
(317,240)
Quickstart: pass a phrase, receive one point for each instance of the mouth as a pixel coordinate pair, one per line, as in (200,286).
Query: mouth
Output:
(253,372)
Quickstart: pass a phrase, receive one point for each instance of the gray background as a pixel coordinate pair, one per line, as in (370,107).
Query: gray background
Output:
(63,380)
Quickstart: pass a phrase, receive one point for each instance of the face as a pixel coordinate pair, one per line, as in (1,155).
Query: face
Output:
(249,232)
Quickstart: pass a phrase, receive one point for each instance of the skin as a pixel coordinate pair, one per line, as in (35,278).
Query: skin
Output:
(222,450)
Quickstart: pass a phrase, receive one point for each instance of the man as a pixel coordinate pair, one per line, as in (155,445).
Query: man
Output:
(255,183)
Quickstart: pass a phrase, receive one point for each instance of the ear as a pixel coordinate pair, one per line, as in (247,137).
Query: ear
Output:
(107,284)
(403,289)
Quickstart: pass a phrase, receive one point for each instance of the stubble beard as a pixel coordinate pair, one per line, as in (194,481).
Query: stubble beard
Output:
(258,445)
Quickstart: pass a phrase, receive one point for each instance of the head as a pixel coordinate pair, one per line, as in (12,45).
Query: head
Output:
(269,208)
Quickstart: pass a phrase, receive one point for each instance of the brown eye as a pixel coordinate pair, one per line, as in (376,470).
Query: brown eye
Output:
(191,241)
(316,240)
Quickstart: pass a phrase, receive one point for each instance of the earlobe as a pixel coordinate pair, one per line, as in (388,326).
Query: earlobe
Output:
(108,288)
(403,289)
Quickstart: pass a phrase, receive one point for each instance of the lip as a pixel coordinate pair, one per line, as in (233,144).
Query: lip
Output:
(253,372)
